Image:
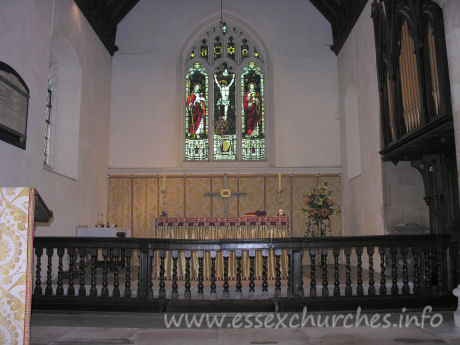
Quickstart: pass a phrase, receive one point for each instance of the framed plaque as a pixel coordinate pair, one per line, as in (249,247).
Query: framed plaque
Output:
(14,105)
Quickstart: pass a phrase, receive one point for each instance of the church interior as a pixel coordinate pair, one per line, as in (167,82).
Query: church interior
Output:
(227,156)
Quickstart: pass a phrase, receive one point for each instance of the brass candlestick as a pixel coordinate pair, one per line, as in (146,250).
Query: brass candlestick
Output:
(163,212)
(280,202)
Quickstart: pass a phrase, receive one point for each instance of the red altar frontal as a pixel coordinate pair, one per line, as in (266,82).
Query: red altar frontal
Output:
(250,227)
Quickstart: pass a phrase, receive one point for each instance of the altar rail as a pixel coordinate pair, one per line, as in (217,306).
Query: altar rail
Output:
(333,273)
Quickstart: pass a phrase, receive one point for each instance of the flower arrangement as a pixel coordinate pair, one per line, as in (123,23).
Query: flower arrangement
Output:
(319,207)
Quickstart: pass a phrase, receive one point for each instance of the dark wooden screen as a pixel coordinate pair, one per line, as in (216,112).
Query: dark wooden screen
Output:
(415,100)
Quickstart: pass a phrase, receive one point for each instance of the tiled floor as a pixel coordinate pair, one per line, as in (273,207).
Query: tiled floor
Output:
(148,328)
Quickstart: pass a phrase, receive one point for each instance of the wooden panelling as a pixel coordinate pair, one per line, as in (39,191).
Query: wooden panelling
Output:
(134,202)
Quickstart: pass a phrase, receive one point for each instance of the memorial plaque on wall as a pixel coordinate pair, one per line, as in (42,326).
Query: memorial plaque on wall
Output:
(14,103)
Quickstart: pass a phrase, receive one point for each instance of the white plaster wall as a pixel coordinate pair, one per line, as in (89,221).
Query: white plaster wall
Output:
(405,208)
(147,87)
(363,195)
(25,42)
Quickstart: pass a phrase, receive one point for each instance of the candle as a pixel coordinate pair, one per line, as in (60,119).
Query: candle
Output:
(164,180)
(279,181)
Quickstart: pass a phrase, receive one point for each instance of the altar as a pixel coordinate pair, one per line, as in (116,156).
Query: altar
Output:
(250,227)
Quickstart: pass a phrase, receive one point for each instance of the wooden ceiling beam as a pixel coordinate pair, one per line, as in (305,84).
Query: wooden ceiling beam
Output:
(342,15)
(104,16)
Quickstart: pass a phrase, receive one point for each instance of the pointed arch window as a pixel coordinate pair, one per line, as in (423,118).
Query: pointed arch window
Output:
(224,117)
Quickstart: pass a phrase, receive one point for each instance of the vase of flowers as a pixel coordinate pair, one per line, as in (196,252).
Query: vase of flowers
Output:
(319,207)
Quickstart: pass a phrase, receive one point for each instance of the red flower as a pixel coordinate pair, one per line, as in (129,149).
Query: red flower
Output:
(330,202)
(324,212)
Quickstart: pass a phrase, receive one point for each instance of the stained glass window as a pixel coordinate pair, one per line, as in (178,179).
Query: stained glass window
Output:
(196,113)
(217,48)
(253,119)
(224,114)
(244,49)
(204,49)
(231,49)
(217,126)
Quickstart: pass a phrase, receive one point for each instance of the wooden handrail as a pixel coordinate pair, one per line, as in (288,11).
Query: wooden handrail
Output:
(243,244)
(405,267)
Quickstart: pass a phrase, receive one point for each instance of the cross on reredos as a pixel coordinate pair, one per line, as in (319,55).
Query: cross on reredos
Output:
(225,194)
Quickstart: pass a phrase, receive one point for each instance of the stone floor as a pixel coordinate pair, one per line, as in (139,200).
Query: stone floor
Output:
(97,328)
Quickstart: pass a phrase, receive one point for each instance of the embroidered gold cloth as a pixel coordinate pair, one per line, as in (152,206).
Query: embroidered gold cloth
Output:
(218,229)
(16,260)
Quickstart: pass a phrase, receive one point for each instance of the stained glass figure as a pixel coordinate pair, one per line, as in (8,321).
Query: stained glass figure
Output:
(244,49)
(224,113)
(196,113)
(217,48)
(231,48)
(204,50)
(253,119)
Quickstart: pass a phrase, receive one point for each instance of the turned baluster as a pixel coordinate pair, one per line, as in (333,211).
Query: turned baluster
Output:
(264,274)
(394,271)
(127,262)
(438,272)
(162,292)
(371,289)
(82,254)
(116,289)
(312,272)
(300,291)
(213,293)
(278,273)
(70,288)
(38,289)
(336,252)
(225,255)
(325,290)
(200,294)
(60,283)
(383,287)
(359,269)
(105,269)
(93,268)
(405,288)
(187,293)
(239,293)
(427,273)
(252,255)
(416,258)
(49,288)
(289,282)
(348,290)
(174,294)
(150,273)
